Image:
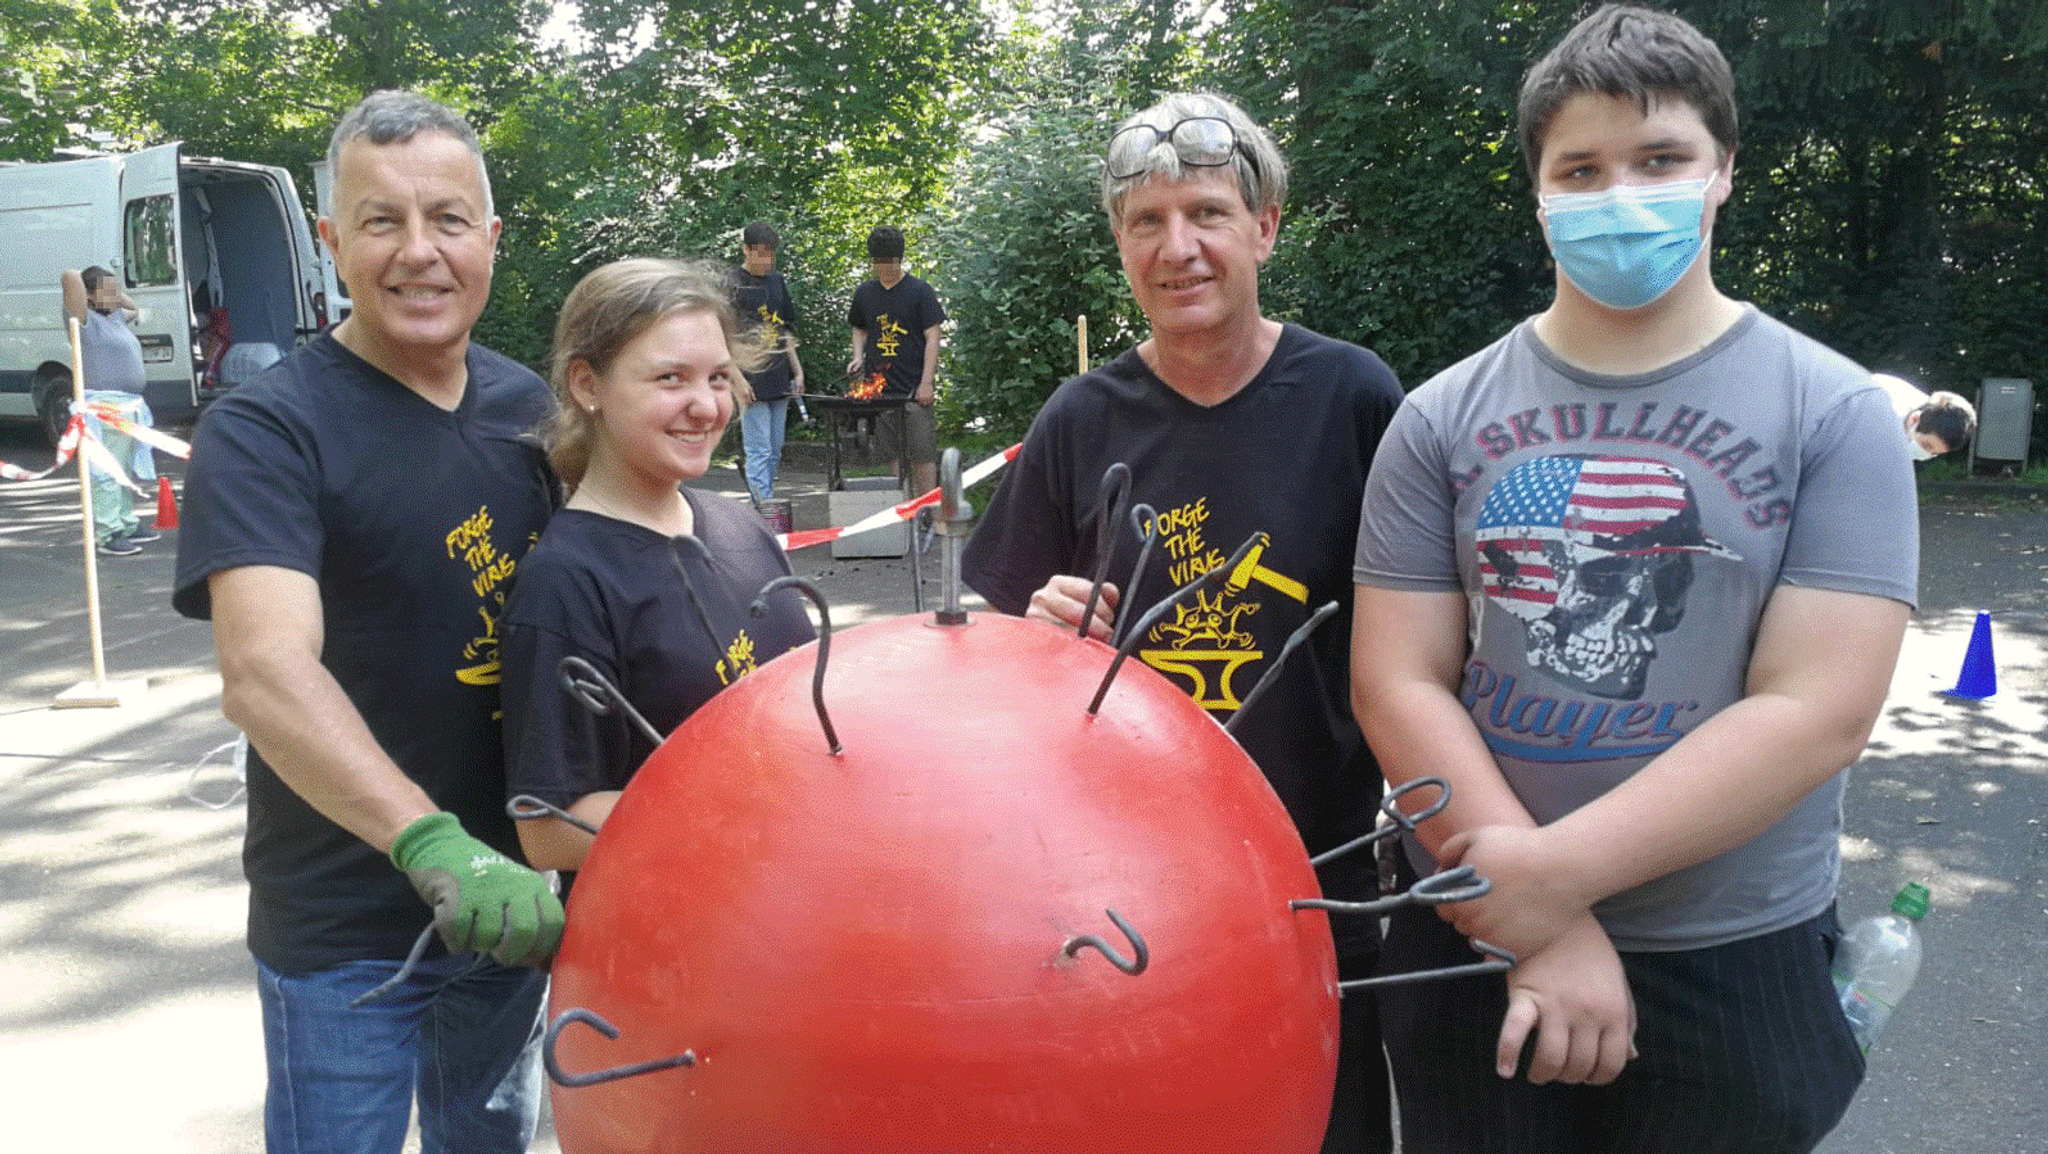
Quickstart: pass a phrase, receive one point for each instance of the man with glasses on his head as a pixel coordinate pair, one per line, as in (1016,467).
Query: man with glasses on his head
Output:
(1234,427)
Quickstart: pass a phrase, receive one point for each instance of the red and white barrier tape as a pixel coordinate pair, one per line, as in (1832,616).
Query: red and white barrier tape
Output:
(805,538)
(790,542)
(161,442)
(66,445)
(75,433)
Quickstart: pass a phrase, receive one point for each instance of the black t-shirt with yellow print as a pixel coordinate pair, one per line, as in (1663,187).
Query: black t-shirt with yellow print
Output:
(412,519)
(1285,457)
(635,605)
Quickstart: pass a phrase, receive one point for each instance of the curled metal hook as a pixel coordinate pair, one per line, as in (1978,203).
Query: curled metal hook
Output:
(1145,523)
(1132,966)
(1458,884)
(1498,961)
(564,1078)
(526,807)
(760,607)
(1110,496)
(600,696)
(1408,821)
(1214,576)
(405,969)
(1398,821)
(1265,680)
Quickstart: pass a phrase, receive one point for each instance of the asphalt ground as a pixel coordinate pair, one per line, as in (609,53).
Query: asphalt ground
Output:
(128,1021)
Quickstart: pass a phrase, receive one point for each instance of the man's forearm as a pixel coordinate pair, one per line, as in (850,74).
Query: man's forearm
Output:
(268,636)
(1817,683)
(930,379)
(1407,650)
(310,733)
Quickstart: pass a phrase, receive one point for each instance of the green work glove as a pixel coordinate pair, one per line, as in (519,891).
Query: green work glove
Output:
(482,899)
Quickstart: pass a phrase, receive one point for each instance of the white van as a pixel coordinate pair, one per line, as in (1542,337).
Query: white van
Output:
(217,254)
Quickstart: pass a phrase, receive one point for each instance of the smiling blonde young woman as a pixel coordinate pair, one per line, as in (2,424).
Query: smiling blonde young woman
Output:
(643,577)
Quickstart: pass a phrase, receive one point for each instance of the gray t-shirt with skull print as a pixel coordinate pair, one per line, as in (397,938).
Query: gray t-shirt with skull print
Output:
(1617,539)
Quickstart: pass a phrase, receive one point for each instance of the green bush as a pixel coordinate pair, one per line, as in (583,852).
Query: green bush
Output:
(1028,250)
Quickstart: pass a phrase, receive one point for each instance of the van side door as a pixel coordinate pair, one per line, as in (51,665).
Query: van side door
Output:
(153,274)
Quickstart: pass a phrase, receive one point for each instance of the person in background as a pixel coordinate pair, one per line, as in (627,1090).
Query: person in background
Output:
(114,379)
(1632,580)
(353,518)
(644,578)
(767,318)
(1233,425)
(895,318)
(1935,423)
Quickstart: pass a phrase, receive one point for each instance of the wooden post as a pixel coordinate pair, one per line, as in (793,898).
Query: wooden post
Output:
(99,692)
(1081,340)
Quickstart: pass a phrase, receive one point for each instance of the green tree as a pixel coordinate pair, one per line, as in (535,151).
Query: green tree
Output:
(51,79)
(1411,229)
(685,122)
(1890,178)
(1024,246)
(1893,172)
(1028,251)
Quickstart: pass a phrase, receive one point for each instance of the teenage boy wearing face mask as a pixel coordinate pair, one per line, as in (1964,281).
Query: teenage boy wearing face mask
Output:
(1633,579)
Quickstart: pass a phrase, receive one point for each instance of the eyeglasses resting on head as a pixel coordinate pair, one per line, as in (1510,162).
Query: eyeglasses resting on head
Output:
(1199,141)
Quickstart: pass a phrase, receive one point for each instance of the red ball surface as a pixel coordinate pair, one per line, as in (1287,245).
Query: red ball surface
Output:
(865,951)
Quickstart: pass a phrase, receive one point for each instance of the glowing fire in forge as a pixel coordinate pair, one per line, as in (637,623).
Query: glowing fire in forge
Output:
(868,389)
(906,947)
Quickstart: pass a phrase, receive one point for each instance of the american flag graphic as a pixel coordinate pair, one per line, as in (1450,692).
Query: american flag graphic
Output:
(1611,504)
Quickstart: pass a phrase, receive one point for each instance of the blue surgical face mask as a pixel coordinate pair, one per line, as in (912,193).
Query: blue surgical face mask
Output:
(1625,246)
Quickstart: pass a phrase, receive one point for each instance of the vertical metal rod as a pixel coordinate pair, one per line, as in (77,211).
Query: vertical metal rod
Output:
(918,526)
(1218,574)
(1110,496)
(1144,522)
(951,524)
(92,561)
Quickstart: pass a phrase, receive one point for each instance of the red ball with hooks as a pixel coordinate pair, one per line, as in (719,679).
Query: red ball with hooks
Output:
(991,921)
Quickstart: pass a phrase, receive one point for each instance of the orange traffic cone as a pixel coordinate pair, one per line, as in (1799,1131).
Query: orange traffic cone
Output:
(166,504)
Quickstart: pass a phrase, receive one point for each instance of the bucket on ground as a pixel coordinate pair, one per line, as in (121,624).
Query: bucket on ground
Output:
(776,512)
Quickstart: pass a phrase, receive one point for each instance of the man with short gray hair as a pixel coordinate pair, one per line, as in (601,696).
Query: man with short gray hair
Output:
(1235,427)
(352,519)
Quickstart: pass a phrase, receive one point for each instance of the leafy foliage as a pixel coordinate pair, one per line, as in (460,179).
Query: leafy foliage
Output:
(49,53)
(1031,253)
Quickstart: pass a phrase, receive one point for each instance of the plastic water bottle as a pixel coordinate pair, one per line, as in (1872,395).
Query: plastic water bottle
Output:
(1876,964)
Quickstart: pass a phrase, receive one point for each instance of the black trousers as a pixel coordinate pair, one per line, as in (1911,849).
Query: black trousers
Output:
(1743,1049)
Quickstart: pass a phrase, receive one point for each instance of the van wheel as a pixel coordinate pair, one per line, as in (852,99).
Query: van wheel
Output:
(53,405)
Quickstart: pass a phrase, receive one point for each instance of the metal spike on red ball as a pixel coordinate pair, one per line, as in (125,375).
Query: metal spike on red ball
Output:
(906,890)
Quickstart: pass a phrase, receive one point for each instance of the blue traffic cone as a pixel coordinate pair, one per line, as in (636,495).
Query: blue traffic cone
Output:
(1979,678)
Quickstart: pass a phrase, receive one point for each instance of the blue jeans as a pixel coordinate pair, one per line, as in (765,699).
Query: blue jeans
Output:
(463,1033)
(761,427)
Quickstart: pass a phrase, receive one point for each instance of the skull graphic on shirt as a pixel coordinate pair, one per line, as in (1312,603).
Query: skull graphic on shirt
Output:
(1594,556)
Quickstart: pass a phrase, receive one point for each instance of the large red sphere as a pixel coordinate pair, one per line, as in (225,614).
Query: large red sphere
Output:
(866,952)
